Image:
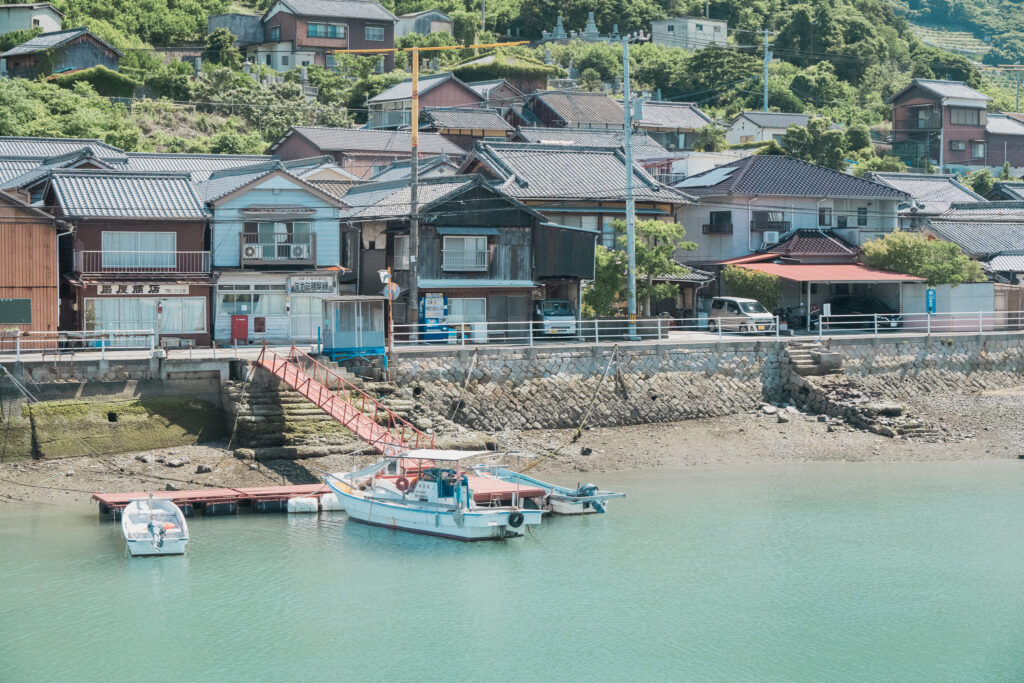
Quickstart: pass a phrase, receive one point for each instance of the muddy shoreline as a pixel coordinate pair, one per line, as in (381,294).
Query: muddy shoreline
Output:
(983,426)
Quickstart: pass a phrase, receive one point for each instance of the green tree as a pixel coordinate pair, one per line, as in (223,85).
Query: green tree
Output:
(981,181)
(1005,173)
(817,143)
(15,38)
(710,138)
(753,284)
(884,164)
(600,294)
(590,80)
(941,263)
(220,49)
(858,137)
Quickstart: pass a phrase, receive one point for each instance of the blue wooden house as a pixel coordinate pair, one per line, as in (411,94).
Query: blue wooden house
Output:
(278,251)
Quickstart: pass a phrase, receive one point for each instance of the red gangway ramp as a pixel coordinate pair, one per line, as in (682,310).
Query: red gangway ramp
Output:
(365,416)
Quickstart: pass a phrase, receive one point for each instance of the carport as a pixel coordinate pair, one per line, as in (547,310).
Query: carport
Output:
(806,275)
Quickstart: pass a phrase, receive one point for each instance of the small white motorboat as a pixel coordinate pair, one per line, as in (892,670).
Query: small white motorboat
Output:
(154,526)
(428,492)
(560,500)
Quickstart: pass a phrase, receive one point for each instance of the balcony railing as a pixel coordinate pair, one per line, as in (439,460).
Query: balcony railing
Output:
(389,119)
(278,248)
(464,260)
(779,226)
(923,124)
(718,228)
(152,262)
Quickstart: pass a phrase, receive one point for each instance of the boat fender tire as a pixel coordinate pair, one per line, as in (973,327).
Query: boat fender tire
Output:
(402,484)
(515,519)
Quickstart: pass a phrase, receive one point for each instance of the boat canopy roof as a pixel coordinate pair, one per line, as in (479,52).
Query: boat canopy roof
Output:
(439,455)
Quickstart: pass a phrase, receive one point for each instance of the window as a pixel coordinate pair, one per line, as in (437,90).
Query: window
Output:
(180,315)
(588,222)
(964,117)
(282,240)
(401,252)
(465,253)
(284,60)
(467,310)
(137,250)
(720,223)
(746,138)
(607,232)
(326,30)
(35,22)
(978,150)
(958,145)
(700,27)
(375,33)
(862,215)
(377,168)
(270,60)
(275,34)
(825,217)
(769,220)
(251,300)
(841,221)
(671,27)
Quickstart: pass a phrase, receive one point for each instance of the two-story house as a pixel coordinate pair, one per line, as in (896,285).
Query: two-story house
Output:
(278,251)
(295,33)
(482,255)
(753,203)
(424,23)
(23,17)
(139,259)
(574,109)
(940,122)
(759,126)
(392,108)
(60,51)
(672,124)
(359,151)
(29,277)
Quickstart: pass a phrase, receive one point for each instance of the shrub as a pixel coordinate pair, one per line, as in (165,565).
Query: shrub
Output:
(104,81)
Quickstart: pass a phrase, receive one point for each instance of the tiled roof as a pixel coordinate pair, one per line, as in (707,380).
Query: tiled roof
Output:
(1003,125)
(582,107)
(783,176)
(480,119)
(981,238)
(402,170)
(49,147)
(365,140)
(1009,190)
(932,194)
(199,166)
(336,188)
(338,9)
(31,5)
(1012,262)
(393,199)
(12,168)
(691,275)
(42,168)
(774,119)
(122,194)
(954,89)
(403,90)
(1010,211)
(644,146)
(484,88)
(813,243)
(556,172)
(226,181)
(680,115)
(46,41)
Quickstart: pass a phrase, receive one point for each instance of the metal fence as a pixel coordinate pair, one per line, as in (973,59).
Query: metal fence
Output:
(922,323)
(69,343)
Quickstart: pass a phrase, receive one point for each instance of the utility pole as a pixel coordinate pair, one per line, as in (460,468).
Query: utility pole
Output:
(1017,71)
(707,9)
(483,15)
(766,58)
(627,143)
(412,311)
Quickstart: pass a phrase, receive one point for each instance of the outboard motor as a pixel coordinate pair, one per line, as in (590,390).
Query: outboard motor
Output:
(586,490)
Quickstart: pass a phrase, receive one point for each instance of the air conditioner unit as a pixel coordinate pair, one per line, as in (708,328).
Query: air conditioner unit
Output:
(250,251)
(769,237)
(299,251)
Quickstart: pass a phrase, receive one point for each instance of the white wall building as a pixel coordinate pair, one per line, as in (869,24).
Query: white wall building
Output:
(692,33)
(16,17)
(757,126)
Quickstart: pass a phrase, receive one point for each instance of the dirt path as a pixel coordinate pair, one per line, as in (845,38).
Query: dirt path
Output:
(978,427)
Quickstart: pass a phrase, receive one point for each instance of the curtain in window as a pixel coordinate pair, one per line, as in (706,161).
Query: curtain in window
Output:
(139,249)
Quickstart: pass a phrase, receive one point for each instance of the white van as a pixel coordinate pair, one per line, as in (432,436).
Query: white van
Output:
(555,316)
(731,313)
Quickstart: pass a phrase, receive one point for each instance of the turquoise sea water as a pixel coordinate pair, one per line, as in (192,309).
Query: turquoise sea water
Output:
(796,572)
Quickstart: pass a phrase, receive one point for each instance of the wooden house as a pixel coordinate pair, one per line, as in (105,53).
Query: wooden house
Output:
(29,278)
(58,52)
(392,108)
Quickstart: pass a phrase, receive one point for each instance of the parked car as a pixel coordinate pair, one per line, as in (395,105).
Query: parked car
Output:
(866,308)
(556,316)
(730,313)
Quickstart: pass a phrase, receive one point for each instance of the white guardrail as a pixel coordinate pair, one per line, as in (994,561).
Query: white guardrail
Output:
(61,343)
(978,322)
(593,331)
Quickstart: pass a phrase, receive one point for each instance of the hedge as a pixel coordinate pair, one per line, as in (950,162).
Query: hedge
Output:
(106,82)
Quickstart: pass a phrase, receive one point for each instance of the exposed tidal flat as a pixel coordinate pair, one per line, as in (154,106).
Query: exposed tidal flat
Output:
(782,571)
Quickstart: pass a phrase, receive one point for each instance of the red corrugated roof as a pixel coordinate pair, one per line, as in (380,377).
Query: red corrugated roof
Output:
(831,272)
(753,258)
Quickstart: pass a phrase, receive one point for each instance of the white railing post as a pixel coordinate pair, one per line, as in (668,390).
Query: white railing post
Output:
(777,328)
(103,347)
(875,316)
(152,342)
(659,328)
(981,325)
(719,326)
(529,329)
(928,323)
(17,347)
(597,332)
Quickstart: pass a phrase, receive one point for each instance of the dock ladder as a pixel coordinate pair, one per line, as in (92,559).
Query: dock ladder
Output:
(365,416)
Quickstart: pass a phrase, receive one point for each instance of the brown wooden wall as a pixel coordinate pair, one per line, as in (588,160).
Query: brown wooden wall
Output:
(28,264)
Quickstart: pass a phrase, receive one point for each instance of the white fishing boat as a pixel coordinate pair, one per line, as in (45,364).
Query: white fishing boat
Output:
(428,492)
(154,526)
(560,500)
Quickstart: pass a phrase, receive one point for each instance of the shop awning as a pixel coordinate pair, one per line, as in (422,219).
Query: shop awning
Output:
(830,272)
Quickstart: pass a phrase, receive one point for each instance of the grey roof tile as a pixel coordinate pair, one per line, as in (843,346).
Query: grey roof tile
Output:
(49,147)
(366,140)
(481,119)
(644,146)
(783,176)
(1009,190)
(978,238)
(774,119)
(1003,125)
(393,199)
(339,9)
(402,170)
(955,89)
(199,166)
(403,90)
(932,194)
(529,171)
(582,107)
(679,115)
(121,194)
(813,243)
(1012,262)
(47,41)
(1011,211)
(484,88)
